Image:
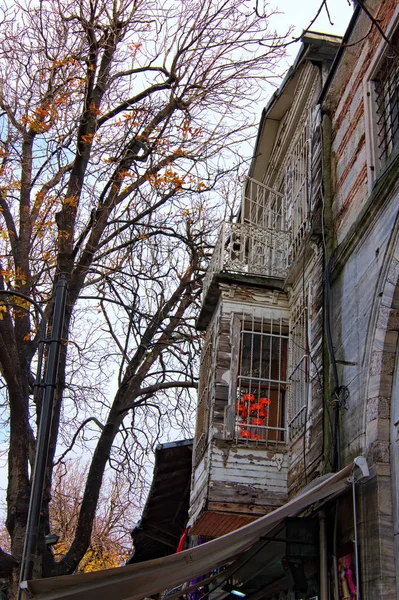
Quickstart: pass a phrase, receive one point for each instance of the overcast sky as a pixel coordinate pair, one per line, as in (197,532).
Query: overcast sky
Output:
(301,12)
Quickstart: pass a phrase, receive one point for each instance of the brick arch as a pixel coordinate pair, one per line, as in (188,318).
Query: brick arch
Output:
(381,355)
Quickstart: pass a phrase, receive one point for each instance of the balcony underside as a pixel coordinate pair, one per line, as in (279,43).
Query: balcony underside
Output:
(224,515)
(212,524)
(233,278)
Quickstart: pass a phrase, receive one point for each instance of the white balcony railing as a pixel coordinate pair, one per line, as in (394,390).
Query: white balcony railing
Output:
(249,249)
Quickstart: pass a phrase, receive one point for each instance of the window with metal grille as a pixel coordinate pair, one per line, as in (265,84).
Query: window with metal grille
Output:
(386,98)
(261,381)
(204,399)
(297,178)
(299,369)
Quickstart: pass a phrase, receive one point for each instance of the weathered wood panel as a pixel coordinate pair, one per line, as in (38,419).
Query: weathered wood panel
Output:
(199,489)
(254,469)
(250,498)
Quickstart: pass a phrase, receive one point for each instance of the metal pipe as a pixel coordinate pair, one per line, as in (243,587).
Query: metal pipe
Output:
(43,436)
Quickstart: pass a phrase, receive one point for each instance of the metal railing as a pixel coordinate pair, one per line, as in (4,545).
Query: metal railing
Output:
(262,206)
(250,249)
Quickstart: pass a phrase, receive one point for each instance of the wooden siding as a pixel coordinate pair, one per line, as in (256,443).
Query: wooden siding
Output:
(307,457)
(246,479)
(199,490)
(244,484)
(303,101)
(252,468)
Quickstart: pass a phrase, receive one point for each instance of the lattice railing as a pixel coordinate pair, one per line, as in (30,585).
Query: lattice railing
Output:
(249,249)
(297,192)
(262,206)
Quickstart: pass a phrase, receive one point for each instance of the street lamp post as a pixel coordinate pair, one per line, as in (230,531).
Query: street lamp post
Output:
(43,436)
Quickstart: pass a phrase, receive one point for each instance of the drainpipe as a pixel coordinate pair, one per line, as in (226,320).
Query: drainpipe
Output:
(330,435)
(329,243)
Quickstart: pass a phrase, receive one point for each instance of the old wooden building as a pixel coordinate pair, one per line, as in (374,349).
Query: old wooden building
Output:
(300,314)
(260,423)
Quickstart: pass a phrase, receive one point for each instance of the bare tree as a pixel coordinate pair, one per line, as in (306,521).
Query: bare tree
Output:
(118,118)
(110,540)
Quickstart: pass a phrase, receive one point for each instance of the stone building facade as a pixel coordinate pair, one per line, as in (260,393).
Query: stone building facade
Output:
(360,110)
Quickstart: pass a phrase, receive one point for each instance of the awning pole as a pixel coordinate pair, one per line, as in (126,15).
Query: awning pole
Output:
(355,540)
(335,562)
(360,463)
(323,556)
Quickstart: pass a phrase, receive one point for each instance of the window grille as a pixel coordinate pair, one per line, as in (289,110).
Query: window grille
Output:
(299,369)
(387,102)
(297,178)
(261,381)
(204,399)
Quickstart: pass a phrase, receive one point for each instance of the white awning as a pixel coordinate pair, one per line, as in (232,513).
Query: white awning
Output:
(138,581)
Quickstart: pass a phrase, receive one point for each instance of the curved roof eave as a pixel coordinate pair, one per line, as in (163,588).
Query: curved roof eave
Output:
(316,47)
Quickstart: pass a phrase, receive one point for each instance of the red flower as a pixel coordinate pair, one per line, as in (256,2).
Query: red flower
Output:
(242,409)
(258,421)
(245,433)
(248,397)
(265,401)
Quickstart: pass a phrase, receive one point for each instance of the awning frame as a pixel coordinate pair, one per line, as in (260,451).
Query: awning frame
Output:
(135,582)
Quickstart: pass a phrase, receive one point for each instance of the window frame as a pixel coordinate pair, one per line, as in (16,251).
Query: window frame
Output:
(204,396)
(375,165)
(299,376)
(244,385)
